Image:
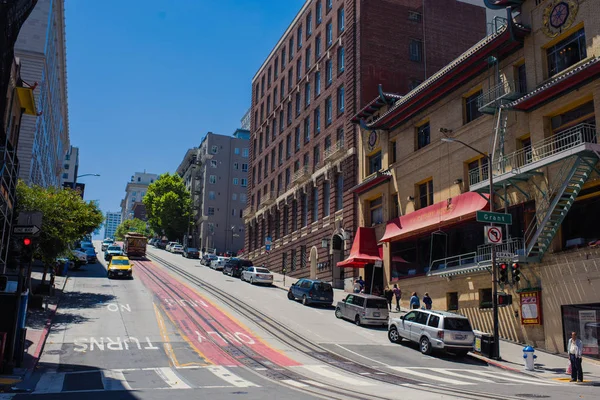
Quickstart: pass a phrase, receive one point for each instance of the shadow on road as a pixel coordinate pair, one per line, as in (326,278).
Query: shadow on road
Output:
(95,270)
(467,360)
(81,300)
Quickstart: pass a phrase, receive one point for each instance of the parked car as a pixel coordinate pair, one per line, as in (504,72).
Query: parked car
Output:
(311,291)
(106,243)
(235,267)
(218,263)
(91,255)
(257,275)
(111,251)
(177,248)
(161,244)
(119,266)
(363,309)
(191,252)
(433,330)
(207,259)
(169,245)
(80,256)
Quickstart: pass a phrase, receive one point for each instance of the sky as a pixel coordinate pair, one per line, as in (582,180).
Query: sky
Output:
(148,78)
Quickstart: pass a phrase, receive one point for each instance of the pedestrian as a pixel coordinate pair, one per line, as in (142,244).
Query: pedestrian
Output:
(414,301)
(398,294)
(357,286)
(389,295)
(362,283)
(427,301)
(575,349)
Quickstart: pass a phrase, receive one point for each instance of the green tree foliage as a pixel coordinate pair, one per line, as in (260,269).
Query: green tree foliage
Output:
(66,218)
(168,206)
(132,225)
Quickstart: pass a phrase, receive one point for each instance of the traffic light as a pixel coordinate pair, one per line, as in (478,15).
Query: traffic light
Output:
(503,278)
(504,299)
(27,242)
(516,272)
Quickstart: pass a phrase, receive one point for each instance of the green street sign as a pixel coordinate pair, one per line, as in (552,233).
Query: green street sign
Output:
(494,217)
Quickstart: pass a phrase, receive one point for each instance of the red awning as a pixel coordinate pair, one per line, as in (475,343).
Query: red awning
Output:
(458,208)
(395,258)
(364,249)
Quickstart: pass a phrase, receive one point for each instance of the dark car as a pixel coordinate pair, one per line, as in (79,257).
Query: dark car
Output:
(162,244)
(92,257)
(311,291)
(235,266)
(191,252)
(207,258)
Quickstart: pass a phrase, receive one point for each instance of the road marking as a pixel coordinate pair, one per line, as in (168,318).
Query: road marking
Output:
(294,383)
(325,371)
(230,377)
(166,342)
(114,380)
(171,378)
(429,377)
(513,378)
(50,383)
(360,355)
(464,375)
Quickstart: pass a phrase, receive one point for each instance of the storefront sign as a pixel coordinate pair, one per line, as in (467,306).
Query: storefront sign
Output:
(588,326)
(531,307)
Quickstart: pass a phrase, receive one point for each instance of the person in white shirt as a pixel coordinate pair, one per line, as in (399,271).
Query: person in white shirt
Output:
(575,350)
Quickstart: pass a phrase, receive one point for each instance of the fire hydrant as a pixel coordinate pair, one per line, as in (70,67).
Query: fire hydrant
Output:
(529,358)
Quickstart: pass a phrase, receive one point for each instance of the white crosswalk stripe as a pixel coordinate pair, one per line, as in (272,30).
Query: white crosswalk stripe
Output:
(428,377)
(331,373)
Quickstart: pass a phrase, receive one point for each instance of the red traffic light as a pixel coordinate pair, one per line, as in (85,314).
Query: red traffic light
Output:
(503,266)
(26,241)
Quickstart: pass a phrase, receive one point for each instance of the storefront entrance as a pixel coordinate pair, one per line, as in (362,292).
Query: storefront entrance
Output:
(374,279)
(585,320)
(337,255)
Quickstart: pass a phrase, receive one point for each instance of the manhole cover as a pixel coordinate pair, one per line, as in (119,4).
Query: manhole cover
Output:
(532,396)
(55,352)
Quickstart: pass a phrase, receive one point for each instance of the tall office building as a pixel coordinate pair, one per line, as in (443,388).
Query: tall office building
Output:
(70,166)
(216,173)
(44,139)
(134,192)
(112,222)
(334,58)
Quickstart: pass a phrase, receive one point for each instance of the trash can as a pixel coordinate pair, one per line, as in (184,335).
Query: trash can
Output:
(487,345)
(477,342)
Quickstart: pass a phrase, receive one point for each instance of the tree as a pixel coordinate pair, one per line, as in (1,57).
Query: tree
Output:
(132,225)
(168,206)
(66,218)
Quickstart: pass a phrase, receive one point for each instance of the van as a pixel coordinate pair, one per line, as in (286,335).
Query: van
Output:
(311,291)
(363,309)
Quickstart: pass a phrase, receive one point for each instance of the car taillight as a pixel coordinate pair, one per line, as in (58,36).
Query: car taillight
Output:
(440,335)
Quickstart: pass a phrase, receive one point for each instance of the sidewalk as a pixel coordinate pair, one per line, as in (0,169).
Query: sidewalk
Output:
(38,324)
(547,365)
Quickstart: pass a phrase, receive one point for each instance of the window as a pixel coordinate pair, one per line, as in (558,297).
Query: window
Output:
(299,36)
(307,94)
(283,59)
(521,78)
(374,162)
(416,50)
(280,153)
(316,156)
(341,20)
(471,105)
(243,197)
(274,130)
(260,142)
(414,83)
(341,59)
(267,135)
(423,135)
(315,205)
(275,97)
(328,111)
(236,166)
(485,298)
(289,112)
(304,209)
(65,175)
(376,210)
(306,159)
(269,77)
(275,67)
(235,181)
(566,53)
(341,99)
(291,47)
(414,16)
(329,34)
(425,193)
(234,196)
(268,104)
(211,195)
(244,167)
(309,25)
(326,194)
(288,146)
(66,166)
(294,219)
(282,87)
(395,206)
(452,301)
(297,138)
(319,12)
(236,150)
(212,179)
(307,130)
(244,182)
(317,48)
(317,83)
(262,86)
(256,94)
(329,5)
(478,170)
(266,165)
(214,149)
(273,159)
(339,192)
(329,72)
(281,121)
(245,152)
(298,101)
(290,78)
(307,59)
(287,177)
(317,120)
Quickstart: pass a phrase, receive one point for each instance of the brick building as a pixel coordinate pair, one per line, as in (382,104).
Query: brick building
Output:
(532,88)
(326,66)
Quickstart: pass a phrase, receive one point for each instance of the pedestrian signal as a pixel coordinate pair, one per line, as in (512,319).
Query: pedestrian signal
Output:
(504,300)
(516,272)
(503,278)
(26,241)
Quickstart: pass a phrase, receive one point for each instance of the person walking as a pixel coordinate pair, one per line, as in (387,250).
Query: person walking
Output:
(427,301)
(414,301)
(398,294)
(389,295)
(575,349)
(357,286)
(362,282)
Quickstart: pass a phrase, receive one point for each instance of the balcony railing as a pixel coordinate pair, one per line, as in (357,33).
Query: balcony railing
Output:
(302,175)
(453,261)
(514,246)
(248,212)
(269,198)
(505,90)
(538,154)
(334,152)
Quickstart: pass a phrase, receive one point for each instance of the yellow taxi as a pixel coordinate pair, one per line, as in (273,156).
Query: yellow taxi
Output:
(119,266)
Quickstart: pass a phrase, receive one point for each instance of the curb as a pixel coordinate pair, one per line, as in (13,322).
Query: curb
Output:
(500,365)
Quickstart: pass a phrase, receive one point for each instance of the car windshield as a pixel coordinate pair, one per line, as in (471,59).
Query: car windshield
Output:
(377,303)
(178,246)
(120,262)
(457,324)
(323,287)
(263,271)
(192,250)
(114,248)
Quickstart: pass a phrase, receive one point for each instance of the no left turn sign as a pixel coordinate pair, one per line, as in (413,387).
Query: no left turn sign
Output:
(493,234)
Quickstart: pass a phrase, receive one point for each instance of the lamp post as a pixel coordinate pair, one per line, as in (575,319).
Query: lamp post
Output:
(489,158)
(81,176)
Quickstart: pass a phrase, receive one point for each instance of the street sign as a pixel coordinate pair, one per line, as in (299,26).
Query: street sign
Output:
(494,217)
(268,247)
(26,230)
(505,255)
(493,235)
(378,264)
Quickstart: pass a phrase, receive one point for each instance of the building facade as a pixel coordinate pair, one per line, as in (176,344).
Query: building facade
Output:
(70,166)
(44,139)
(216,173)
(112,222)
(526,97)
(333,58)
(134,192)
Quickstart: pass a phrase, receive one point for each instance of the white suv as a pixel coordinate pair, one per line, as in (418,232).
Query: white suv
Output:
(433,330)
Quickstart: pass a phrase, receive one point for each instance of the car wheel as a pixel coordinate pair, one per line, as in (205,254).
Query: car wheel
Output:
(338,313)
(357,320)
(425,346)
(291,296)
(393,335)
(305,300)
(251,281)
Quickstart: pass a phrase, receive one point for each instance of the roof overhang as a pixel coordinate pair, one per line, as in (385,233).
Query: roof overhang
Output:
(372,181)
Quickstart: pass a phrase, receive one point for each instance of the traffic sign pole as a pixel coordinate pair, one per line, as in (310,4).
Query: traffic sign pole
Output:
(496,321)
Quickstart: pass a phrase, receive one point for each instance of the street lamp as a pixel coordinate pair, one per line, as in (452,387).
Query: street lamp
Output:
(489,158)
(81,176)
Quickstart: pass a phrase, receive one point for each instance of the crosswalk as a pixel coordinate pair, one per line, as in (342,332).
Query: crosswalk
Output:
(216,377)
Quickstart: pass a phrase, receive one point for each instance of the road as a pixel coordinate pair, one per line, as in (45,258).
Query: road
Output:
(179,330)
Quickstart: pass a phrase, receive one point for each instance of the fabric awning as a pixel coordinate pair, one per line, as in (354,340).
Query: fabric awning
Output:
(458,208)
(395,258)
(364,249)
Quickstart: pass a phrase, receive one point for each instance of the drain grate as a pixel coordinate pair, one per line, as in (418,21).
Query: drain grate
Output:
(532,396)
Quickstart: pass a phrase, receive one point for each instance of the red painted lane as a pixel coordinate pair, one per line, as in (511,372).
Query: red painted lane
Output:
(231,332)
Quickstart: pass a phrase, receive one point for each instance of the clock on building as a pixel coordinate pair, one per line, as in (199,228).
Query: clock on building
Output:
(558,16)
(372,139)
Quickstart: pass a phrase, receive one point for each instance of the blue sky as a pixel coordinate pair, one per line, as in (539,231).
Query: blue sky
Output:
(148,78)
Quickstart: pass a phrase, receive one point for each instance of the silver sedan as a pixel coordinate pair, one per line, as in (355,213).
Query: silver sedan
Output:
(257,275)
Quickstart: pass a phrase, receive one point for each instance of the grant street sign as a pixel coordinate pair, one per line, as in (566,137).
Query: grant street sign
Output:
(494,217)
(26,230)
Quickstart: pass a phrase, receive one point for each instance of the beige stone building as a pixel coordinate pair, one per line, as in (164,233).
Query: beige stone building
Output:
(526,97)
